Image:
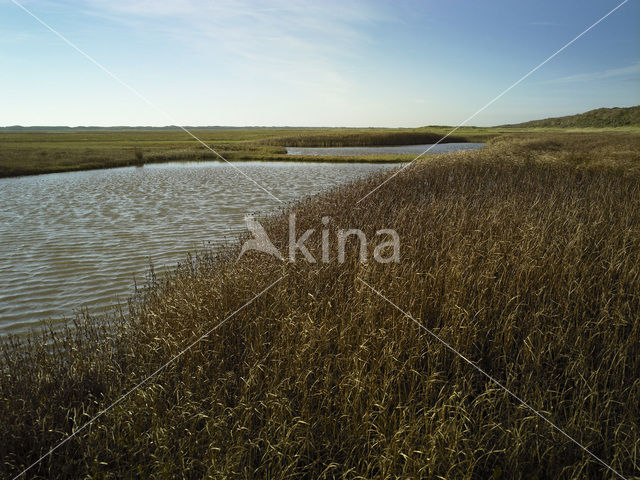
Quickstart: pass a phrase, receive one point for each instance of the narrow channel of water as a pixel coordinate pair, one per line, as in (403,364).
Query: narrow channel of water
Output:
(396,150)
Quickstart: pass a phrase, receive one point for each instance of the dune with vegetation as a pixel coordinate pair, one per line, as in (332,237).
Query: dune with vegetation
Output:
(614,117)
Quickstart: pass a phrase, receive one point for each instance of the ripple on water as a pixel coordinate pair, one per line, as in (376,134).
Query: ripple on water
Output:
(78,239)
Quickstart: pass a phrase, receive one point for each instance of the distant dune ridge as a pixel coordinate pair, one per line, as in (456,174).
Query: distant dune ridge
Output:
(600,117)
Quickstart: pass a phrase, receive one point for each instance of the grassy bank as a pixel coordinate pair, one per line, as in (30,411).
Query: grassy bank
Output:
(523,256)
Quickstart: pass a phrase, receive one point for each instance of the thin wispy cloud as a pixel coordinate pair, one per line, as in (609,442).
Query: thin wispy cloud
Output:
(544,24)
(308,62)
(13,37)
(286,40)
(631,70)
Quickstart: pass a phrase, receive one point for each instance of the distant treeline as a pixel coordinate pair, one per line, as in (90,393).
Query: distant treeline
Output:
(599,118)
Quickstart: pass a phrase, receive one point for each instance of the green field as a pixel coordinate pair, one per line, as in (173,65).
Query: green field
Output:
(522,256)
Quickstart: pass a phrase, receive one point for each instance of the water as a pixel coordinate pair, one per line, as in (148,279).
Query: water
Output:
(78,239)
(404,149)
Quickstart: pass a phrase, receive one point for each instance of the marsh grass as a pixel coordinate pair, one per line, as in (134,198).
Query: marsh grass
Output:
(35,152)
(523,256)
(360,139)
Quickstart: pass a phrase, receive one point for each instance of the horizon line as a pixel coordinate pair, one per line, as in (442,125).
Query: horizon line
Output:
(229,127)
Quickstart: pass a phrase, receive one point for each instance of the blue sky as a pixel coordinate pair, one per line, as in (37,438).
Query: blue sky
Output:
(312,63)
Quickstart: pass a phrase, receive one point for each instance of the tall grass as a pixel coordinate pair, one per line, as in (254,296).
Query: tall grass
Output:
(523,256)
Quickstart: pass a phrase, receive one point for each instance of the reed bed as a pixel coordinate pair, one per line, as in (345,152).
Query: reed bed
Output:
(523,256)
(360,139)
